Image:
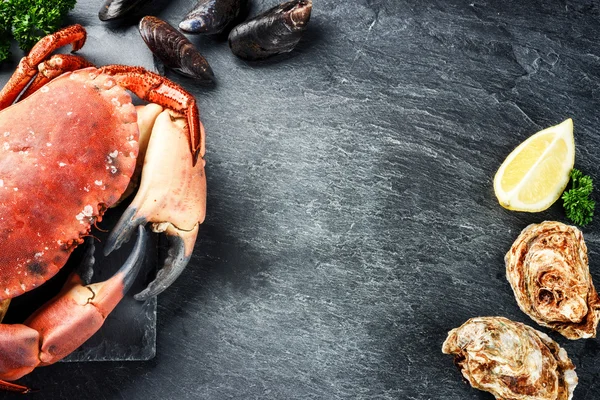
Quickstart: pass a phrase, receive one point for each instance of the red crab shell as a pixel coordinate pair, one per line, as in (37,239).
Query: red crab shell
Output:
(67,153)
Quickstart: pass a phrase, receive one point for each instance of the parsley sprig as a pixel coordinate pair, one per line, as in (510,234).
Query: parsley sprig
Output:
(578,205)
(27,21)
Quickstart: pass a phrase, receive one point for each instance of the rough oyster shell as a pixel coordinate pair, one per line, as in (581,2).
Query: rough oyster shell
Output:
(511,360)
(547,267)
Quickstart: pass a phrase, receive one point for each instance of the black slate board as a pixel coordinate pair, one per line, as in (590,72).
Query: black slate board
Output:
(351,217)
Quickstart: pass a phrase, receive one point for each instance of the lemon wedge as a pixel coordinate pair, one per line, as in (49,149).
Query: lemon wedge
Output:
(535,174)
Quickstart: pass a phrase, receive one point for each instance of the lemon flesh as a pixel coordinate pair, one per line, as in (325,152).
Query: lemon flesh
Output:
(535,174)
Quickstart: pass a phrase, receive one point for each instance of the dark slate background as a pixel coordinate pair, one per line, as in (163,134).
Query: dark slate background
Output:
(351,217)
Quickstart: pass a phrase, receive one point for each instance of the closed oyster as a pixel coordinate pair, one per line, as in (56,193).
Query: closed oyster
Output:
(511,360)
(547,267)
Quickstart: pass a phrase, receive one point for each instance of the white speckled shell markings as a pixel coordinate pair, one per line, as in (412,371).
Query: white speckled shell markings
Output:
(78,137)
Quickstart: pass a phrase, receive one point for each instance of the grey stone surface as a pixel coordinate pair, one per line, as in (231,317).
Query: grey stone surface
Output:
(351,217)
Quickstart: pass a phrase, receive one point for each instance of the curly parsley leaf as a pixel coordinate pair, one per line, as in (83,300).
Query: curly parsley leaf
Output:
(27,21)
(4,45)
(579,207)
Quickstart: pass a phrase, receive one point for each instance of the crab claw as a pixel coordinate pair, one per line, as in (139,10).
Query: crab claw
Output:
(77,312)
(171,196)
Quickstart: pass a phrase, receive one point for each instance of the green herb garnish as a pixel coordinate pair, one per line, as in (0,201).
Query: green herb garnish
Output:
(27,21)
(579,207)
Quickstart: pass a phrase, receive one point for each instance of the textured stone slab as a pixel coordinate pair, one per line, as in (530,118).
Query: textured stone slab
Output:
(351,219)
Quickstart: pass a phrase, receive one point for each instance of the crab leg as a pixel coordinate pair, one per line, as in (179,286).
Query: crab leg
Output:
(67,321)
(55,66)
(172,196)
(27,68)
(157,89)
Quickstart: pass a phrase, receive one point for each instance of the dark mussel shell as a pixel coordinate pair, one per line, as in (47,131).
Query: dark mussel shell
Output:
(113,9)
(275,31)
(175,51)
(211,16)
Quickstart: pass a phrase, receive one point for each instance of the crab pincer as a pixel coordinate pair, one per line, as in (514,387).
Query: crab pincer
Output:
(69,319)
(171,196)
(82,309)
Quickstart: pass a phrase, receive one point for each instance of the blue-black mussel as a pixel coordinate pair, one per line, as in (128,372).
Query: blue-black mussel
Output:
(212,16)
(275,31)
(112,9)
(174,50)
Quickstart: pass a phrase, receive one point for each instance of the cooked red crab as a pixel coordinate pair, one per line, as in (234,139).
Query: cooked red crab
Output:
(68,151)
